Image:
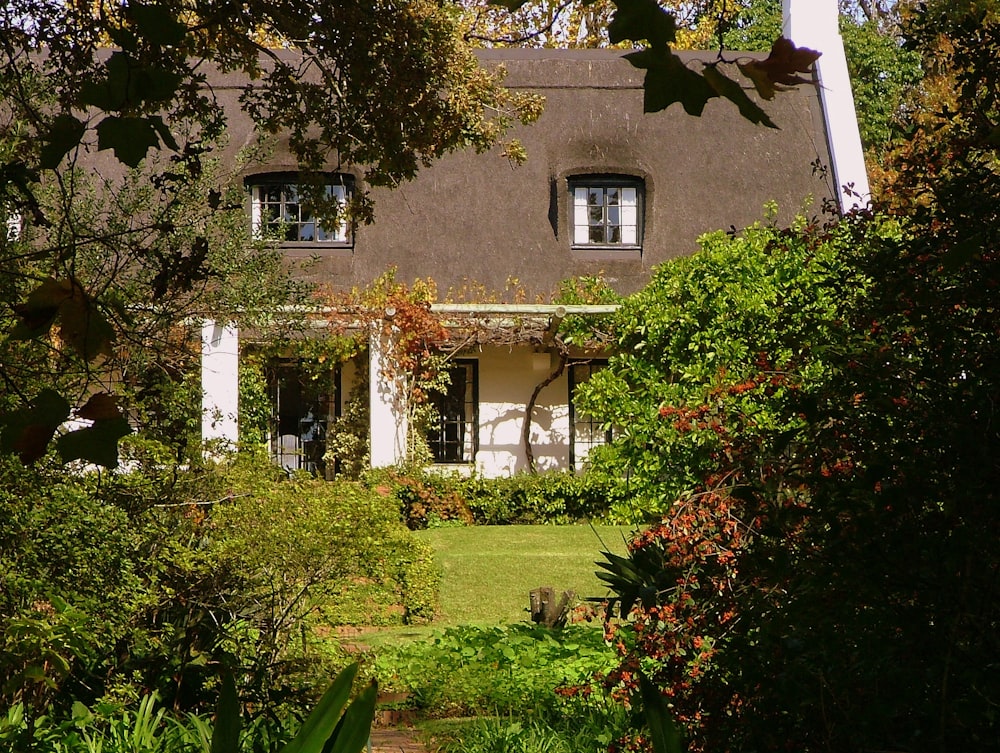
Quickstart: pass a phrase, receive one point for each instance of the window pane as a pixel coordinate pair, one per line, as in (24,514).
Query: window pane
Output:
(276,207)
(580,224)
(605,213)
(453,437)
(630,225)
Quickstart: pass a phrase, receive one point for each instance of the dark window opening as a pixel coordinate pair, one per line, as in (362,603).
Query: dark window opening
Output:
(454,435)
(302,407)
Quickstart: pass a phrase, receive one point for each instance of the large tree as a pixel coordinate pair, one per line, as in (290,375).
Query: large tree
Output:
(814,411)
(122,223)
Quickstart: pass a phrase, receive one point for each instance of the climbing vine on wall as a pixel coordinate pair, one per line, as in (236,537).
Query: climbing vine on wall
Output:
(420,342)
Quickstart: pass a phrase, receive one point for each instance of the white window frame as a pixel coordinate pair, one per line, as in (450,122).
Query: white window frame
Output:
(289,220)
(585,433)
(606,211)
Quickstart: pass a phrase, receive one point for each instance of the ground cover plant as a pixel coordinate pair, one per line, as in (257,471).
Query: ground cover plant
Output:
(517,687)
(492,670)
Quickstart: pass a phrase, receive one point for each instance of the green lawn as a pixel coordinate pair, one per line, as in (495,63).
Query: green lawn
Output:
(487,571)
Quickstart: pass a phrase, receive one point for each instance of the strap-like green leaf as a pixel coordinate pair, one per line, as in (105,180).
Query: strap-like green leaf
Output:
(663,730)
(319,725)
(355,726)
(226,735)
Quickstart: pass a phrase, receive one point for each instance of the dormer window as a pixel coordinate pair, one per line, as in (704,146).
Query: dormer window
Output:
(606,211)
(279,210)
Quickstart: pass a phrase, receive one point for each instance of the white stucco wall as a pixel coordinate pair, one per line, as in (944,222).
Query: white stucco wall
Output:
(813,24)
(220,385)
(506,380)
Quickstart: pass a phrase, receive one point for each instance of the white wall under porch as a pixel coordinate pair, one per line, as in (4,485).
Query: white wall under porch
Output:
(507,377)
(220,381)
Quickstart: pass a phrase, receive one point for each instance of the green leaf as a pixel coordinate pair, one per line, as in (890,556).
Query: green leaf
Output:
(226,735)
(97,444)
(320,724)
(726,87)
(761,80)
(39,311)
(114,90)
(49,407)
(663,731)
(80,713)
(84,328)
(127,83)
(636,20)
(156,84)
(354,729)
(157,25)
(64,135)
(130,138)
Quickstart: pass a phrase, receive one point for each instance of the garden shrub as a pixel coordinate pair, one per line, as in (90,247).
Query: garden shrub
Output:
(494,670)
(555,498)
(348,541)
(814,409)
(69,583)
(426,499)
(119,584)
(429,499)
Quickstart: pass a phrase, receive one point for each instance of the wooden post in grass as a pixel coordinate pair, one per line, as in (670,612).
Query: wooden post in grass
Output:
(548,610)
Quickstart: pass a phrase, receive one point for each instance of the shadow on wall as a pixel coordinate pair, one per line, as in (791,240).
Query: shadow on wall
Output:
(499,455)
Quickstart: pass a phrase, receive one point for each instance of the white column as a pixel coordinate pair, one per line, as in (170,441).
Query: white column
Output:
(813,24)
(220,381)
(387,404)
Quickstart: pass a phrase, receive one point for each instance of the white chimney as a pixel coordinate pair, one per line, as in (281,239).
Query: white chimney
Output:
(813,24)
